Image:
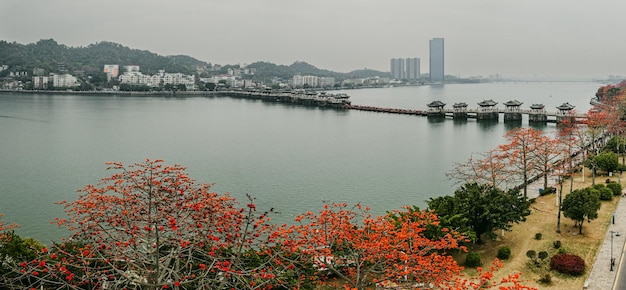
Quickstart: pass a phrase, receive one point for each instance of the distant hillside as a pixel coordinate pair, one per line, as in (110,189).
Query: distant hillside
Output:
(265,70)
(53,57)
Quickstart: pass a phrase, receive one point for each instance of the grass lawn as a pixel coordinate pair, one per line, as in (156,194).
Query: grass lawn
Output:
(543,219)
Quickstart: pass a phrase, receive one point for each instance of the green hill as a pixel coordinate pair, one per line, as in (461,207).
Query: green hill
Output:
(53,57)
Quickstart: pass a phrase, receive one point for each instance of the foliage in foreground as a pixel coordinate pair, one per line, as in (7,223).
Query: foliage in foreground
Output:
(477,209)
(150,226)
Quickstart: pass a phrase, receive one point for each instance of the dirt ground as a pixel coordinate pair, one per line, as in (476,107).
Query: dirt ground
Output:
(543,219)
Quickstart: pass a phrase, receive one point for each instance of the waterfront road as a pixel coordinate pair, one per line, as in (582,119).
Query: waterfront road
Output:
(601,277)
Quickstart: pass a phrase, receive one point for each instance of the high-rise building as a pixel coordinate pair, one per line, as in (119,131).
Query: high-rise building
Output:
(436,60)
(405,68)
(397,68)
(412,68)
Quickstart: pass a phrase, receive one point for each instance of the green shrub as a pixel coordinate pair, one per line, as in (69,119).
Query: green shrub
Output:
(531,254)
(473,260)
(504,253)
(606,193)
(538,236)
(562,251)
(598,186)
(546,279)
(615,187)
(568,264)
(557,244)
(542,255)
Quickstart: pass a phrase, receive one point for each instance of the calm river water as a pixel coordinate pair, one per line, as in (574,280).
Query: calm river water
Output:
(290,158)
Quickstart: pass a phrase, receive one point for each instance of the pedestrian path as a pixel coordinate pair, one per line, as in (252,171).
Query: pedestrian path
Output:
(601,277)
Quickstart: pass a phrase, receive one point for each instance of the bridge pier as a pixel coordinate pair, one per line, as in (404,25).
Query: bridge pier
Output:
(459,115)
(487,116)
(537,118)
(515,117)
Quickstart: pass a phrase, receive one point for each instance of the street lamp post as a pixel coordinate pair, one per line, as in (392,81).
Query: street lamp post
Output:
(617,234)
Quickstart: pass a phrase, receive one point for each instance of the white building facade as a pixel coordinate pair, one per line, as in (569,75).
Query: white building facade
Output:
(64,81)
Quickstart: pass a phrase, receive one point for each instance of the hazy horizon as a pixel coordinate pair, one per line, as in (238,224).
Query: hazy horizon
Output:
(482,37)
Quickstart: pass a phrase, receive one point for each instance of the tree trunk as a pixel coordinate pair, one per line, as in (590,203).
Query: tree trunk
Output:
(580,228)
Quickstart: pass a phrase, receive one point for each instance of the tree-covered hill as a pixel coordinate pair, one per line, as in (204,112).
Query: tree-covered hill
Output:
(266,70)
(54,57)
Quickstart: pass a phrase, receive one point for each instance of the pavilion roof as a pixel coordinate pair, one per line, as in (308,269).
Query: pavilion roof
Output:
(513,103)
(537,106)
(566,107)
(487,103)
(436,104)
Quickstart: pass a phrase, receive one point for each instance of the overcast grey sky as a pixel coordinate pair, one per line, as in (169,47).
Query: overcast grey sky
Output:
(482,37)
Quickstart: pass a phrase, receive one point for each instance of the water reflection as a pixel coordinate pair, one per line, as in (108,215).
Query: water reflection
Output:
(487,124)
(436,119)
(459,121)
(538,125)
(510,125)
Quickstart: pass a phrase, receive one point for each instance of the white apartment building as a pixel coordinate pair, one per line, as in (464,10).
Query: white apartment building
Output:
(40,82)
(64,81)
(327,82)
(132,68)
(137,78)
(177,78)
(312,81)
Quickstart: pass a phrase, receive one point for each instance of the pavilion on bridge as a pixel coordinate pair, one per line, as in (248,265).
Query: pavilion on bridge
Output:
(487,110)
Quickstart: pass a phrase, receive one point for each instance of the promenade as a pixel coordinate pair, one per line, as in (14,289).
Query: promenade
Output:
(600,276)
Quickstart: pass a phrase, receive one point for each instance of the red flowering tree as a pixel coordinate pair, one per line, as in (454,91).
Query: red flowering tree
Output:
(150,226)
(362,250)
(519,154)
(351,248)
(5,227)
(485,168)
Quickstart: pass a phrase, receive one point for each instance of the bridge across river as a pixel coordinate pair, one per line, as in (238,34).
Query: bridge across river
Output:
(534,115)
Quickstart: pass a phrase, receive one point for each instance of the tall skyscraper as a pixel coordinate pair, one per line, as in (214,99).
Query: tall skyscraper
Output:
(412,68)
(405,68)
(436,60)
(397,68)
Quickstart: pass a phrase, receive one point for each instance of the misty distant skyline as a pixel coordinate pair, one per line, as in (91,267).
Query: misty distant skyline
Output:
(555,38)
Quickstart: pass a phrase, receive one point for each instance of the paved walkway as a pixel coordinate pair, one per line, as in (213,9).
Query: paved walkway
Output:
(601,277)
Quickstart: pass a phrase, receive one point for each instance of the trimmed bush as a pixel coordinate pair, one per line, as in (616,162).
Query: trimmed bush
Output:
(473,260)
(538,236)
(557,244)
(504,253)
(568,264)
(542,255)
(606,193)
(598,186)
(615,187)
(546,279)
(531,254)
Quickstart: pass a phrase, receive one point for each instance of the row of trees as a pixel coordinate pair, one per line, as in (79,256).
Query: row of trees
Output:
(529,153)
(150,226)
